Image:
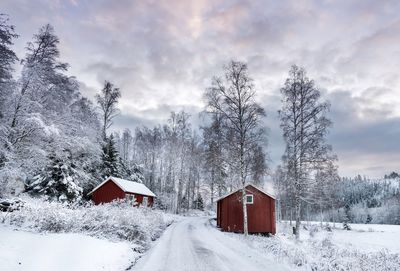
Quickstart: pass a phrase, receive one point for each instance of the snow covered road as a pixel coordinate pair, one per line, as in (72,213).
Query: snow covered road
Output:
(194,244)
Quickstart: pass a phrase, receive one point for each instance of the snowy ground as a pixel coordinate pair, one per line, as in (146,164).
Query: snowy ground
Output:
(196,245)
(51,236)
(364,248)
(191,243)
(363,237)
(28,251)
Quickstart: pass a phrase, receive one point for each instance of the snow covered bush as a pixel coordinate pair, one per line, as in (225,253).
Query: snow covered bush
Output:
(11,182)
(116,221)
(322,254)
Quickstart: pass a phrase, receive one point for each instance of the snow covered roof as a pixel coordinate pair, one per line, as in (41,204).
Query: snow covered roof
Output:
(252,185)
(128,186)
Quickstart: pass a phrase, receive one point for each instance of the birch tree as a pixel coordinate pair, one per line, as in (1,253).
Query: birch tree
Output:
(108,100)
(214,160)
(233,97)
(305,125)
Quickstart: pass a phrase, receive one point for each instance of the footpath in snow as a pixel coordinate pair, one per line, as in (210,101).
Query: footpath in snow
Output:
(193,244)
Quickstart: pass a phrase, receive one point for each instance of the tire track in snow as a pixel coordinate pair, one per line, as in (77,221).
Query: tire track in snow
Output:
(194,245)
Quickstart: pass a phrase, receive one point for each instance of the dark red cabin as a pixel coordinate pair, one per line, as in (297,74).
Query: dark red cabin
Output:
(114,188)
(260,211)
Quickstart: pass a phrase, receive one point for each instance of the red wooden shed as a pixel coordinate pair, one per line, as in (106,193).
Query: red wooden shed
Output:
(260,211)
(114,188)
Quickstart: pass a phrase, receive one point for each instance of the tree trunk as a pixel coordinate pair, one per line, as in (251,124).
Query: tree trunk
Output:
(245,225)
(244,203)
(297,215)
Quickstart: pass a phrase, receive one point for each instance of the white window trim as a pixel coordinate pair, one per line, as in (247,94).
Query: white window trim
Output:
(130,197)
(252,199)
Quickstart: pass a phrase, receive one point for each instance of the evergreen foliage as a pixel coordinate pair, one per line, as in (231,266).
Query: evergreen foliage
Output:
(109,159)
(58,180)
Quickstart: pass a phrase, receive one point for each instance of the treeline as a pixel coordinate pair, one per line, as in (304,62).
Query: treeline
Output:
(57,143)
(351,200)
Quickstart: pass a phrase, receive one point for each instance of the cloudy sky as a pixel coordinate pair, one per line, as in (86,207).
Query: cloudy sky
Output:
(162,55)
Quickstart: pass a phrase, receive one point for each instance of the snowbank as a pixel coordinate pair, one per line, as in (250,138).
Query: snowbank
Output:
(21,250)
(116,221)
(334,250)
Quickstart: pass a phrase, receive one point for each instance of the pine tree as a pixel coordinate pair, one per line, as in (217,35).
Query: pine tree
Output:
(58,180)
(347,218)
(130,171)
(109,158)
(198,203)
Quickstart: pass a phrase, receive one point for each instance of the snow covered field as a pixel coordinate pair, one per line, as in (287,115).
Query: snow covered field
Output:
(28,251)
(364,248)
(367,237)
(191,243)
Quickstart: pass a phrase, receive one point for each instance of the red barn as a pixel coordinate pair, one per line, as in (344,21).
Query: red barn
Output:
(260,211)
(115,188)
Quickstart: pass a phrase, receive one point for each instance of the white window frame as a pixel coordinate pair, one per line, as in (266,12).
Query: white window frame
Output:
(130,197)
(249,196)
(145,201)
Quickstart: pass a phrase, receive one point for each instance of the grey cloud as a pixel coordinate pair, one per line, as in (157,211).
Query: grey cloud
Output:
(162,54)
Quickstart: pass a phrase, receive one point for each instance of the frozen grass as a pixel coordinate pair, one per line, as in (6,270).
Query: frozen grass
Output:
(116,221)
(320,249)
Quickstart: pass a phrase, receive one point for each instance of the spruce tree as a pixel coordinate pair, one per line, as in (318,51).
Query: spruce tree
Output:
(58,180)
(109,158)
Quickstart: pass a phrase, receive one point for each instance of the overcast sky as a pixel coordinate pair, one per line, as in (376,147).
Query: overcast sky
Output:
(162,54)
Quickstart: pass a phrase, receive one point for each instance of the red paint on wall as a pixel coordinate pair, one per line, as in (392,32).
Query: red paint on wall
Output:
(109,192)
(261,214)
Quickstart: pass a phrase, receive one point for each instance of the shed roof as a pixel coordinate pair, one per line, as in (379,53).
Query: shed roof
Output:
(128,186)
(252,185)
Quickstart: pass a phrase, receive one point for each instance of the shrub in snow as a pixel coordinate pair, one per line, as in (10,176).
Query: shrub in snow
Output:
(346,226)
(369,219)
(313,230)
(11,182)
(198,203)
(323,255)
(118,220)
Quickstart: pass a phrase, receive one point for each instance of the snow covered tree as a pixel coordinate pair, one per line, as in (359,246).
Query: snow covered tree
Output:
(347,218)
(198,203)
(7,59)
(126,145)
(7,55)
(233,97)
(214,160)
(58,180)
(109,159)
(258,168)
(305,125)
(108,100)
(8,177)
